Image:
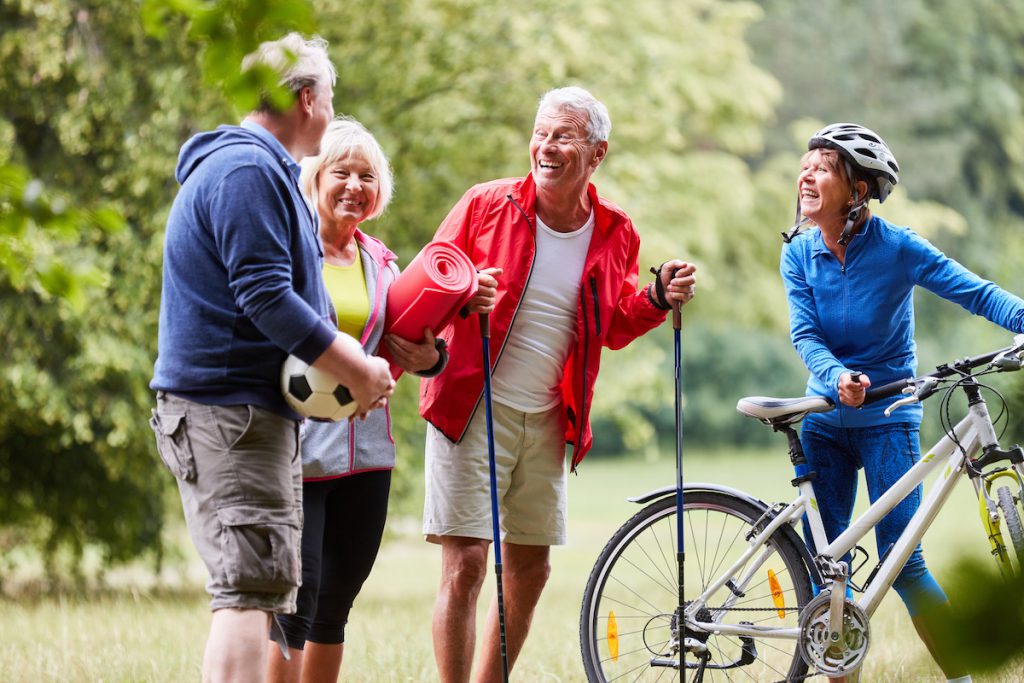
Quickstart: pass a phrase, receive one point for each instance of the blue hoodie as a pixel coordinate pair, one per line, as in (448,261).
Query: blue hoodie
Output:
(242,284)
(859,315)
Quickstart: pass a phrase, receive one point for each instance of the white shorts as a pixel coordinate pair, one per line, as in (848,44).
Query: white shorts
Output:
(529,453)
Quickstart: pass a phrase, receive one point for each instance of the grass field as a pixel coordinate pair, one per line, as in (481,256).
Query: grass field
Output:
(158,634)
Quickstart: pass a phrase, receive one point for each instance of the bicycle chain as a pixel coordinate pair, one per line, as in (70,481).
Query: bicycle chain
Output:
(756,609)
(812,674)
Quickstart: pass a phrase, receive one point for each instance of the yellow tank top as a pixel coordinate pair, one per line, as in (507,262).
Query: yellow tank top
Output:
(347,289)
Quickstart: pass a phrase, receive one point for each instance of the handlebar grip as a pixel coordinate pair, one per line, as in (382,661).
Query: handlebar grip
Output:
(855,376)
(887,390)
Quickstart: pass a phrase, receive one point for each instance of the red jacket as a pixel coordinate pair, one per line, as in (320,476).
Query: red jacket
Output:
(495,225)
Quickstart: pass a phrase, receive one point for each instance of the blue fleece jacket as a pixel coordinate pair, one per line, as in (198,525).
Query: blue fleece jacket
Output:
(242,284)
(859,316)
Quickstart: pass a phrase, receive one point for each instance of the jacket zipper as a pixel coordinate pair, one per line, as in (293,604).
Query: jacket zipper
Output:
(846,314)
(377,294)
(529,274)
(580,419)
(597,310)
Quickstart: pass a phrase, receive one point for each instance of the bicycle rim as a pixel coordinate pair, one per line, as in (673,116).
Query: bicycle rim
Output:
(631,596)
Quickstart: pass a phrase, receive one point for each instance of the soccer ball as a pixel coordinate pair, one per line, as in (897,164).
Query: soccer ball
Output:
(314,394)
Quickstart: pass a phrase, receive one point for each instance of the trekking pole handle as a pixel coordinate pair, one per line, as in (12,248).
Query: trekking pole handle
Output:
(485,326)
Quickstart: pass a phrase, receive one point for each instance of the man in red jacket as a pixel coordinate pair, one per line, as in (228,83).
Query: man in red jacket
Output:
(567,263)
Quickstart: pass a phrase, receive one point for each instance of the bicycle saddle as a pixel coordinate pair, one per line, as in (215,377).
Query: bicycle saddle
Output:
(779,411)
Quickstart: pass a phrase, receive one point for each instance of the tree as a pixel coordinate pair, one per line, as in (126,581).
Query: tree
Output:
(97,107)
(941,81)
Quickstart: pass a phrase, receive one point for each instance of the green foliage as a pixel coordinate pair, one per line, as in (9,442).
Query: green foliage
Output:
(450,89)
(635,399)
(95,111)
(941,82)
(226,31)
(711,103)
(985,630)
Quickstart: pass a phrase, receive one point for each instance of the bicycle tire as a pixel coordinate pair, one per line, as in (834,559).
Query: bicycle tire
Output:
(1004,500)
(636,574)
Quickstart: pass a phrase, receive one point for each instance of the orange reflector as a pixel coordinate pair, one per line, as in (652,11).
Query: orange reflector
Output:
(777,598)
(613,636)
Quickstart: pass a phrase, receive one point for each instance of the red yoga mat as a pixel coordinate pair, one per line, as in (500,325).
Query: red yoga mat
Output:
(430,291)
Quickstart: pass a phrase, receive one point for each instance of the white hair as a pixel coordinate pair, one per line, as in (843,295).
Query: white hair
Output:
(345,137)
(301,63)
(599,124)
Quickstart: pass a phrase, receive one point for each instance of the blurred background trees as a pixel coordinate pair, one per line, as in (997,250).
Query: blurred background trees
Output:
(711,103)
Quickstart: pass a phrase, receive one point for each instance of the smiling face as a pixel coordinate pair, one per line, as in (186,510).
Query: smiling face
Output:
(347,192)
(823,187)
(561,157)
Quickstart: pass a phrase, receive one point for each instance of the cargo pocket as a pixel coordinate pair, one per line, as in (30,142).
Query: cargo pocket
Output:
(259,547)
(173,444)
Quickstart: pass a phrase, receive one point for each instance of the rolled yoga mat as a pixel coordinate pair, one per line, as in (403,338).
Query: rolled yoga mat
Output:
(430,291)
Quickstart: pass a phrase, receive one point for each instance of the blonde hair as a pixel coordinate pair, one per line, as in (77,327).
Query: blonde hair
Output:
(345,137)
(300,63)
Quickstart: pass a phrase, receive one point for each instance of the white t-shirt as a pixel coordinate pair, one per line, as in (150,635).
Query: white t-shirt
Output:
(530,369)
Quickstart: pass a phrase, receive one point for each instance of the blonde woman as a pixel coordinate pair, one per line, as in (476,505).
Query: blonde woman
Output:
(346,465)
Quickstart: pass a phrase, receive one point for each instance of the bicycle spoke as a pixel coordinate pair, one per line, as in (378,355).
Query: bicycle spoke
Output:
(635,580)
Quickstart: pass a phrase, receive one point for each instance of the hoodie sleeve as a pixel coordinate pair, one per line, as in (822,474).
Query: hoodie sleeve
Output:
(940,274)
(804,326)
(252,234)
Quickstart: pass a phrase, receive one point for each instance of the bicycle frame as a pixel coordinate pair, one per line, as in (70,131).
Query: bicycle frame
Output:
(973,432)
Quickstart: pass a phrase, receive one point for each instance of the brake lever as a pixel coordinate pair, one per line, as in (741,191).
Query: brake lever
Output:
(916,394)
(902,402)
(1010,360)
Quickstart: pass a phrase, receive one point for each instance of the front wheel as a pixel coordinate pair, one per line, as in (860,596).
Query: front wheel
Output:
(1008,507)
(628,624)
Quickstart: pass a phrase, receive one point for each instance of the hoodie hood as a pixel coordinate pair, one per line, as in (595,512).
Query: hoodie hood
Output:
(201,146)
(377,249)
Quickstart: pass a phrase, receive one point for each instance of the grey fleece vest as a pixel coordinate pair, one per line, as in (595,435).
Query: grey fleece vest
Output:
(335,449)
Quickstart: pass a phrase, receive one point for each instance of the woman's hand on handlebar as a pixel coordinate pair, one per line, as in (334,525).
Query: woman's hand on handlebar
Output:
(852,387)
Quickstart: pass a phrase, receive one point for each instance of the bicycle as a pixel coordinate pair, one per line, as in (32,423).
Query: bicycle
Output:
(754,614)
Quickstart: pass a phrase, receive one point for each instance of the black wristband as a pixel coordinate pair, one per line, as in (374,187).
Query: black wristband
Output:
(658,298)
(442,360)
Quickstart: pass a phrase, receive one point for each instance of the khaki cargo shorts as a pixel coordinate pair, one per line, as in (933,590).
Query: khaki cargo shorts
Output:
(530,465)
(240,477)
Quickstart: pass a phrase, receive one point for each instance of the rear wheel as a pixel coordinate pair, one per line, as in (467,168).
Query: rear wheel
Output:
(628,621)
(1011,515)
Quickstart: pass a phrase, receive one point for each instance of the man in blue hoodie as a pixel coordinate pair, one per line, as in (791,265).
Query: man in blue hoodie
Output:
(241,290)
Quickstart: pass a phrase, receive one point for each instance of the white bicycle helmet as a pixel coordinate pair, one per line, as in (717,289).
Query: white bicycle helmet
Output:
(864,149)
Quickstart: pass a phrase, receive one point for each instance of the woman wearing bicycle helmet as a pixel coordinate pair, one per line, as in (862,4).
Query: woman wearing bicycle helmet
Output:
(850,288)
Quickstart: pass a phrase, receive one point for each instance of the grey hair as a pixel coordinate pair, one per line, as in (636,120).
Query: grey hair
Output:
(301,63)
(345,137)
(599,124)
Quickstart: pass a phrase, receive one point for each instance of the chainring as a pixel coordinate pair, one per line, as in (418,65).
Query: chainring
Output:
(828,658)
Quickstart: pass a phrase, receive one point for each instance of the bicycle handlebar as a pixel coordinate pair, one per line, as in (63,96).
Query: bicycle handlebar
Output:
(945,370)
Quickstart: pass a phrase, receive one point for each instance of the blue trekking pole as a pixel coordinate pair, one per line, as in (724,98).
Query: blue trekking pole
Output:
(677,319)
(485,336)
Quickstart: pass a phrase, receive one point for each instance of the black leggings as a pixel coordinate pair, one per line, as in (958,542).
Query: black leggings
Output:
(343,525)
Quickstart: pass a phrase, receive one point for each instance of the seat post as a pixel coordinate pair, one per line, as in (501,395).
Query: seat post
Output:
(796,456)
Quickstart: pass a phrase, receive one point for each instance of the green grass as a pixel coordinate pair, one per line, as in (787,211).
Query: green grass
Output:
(159,636)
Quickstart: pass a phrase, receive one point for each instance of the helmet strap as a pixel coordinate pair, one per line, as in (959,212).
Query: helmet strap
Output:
(856,205)
(798,223)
